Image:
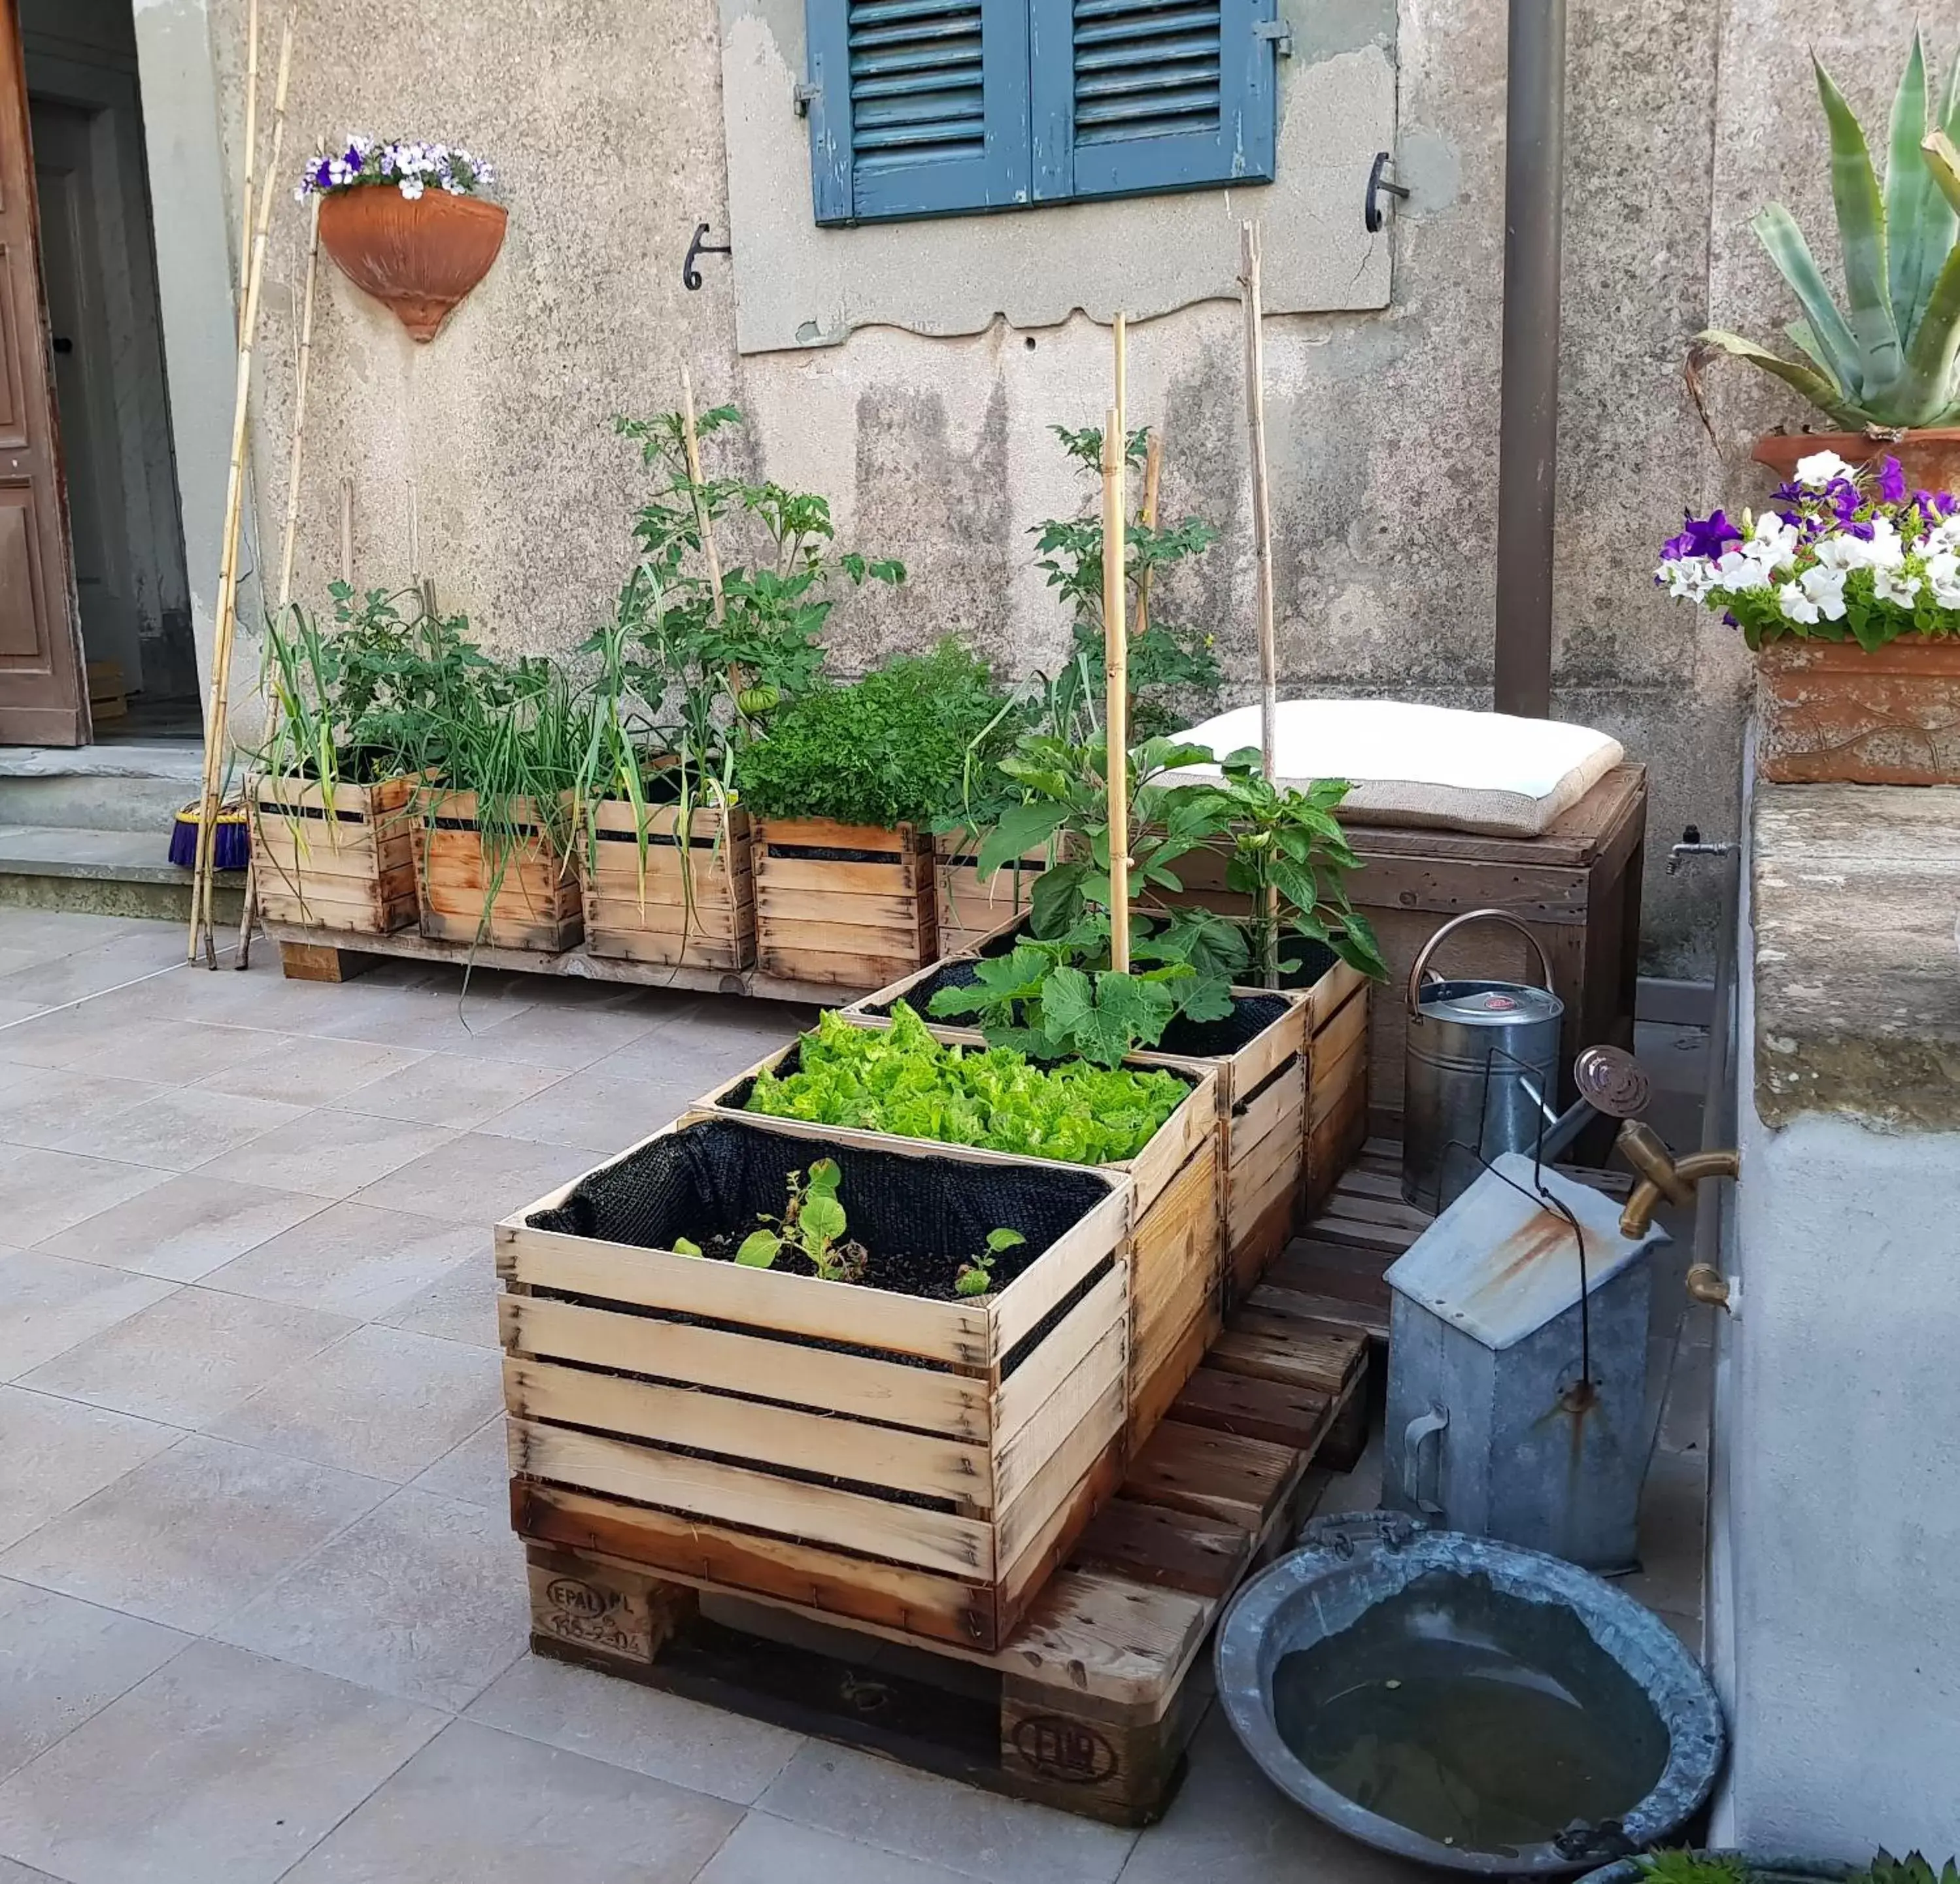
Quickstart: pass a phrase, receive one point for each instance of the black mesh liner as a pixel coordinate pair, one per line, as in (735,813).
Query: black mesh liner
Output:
(1251,1015)
(714,1178)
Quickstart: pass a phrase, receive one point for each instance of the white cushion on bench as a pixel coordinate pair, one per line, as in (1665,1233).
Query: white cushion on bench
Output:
(1437,767)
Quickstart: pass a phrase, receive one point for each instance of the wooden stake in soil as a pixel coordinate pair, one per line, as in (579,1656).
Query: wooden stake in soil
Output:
(216,718)
(245,181)
(1116,705)
(1262,543)
(1147,517)
(703,524)
(347,531)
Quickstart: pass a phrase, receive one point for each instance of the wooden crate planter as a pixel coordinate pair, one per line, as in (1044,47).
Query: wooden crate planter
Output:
(842,905)
(695,908)
(1175,1242)
(1274,1092)
(971,911)
(537,904)
(348,865)
(876,1457)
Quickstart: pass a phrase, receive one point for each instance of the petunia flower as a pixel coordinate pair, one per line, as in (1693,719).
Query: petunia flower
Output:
(1892,481)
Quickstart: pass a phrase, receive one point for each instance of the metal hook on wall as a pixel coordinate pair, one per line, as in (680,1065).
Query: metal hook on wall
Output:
(1371,203)
(690,276)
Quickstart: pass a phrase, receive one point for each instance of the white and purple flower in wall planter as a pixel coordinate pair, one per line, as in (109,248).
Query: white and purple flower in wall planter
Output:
(411,166)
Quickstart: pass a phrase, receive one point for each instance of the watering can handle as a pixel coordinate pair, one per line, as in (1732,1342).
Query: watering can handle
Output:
(1429,947)
(1425,1426)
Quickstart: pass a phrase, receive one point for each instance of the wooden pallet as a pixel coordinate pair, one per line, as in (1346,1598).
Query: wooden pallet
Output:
(1335,1269)
(1091,1704)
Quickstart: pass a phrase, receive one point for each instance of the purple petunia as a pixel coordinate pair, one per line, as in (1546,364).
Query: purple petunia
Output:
(1704,536)
(1892,482)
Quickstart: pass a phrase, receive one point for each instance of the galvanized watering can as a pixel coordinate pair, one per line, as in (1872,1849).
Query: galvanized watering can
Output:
(1481,1070)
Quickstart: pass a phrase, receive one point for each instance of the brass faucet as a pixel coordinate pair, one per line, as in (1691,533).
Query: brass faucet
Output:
(1664,1175)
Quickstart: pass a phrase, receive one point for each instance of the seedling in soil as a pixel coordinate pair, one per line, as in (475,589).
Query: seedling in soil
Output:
(812,1224)
(977,1277)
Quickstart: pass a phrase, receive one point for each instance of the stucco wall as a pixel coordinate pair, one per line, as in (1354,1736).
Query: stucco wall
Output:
(1834,1611)
(605,117)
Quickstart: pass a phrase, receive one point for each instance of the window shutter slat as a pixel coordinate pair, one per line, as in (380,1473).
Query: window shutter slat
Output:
(921,106)
(1131,96)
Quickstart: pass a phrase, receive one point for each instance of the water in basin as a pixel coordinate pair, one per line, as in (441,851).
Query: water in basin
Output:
(1475,1718)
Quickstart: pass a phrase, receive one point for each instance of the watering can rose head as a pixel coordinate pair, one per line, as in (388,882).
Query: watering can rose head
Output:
(410,167)
(1844,556)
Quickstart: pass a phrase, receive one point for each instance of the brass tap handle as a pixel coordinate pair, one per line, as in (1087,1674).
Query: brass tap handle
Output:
(1706,1284)
(1663,1176)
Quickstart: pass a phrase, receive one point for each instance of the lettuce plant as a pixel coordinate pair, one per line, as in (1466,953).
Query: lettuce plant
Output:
(900,1080)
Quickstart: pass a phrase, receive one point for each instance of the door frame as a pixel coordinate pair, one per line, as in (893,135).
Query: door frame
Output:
(60,717)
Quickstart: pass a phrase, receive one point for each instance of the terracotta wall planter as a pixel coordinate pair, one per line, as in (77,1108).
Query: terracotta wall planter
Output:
(1931,458)
(420,258)
(1831,713)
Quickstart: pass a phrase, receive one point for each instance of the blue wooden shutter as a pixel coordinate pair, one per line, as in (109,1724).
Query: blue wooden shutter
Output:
(921,106)
(1131,95)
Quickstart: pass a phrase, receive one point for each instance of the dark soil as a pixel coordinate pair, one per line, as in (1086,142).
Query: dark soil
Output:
(902,1272)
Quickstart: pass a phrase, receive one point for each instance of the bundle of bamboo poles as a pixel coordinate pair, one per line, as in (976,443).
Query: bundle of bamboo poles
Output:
(256,198)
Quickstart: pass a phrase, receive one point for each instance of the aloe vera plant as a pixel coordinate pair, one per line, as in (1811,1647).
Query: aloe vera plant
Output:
(1887,359)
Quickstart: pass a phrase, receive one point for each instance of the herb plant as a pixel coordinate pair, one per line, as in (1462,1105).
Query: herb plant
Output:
(1889,359)
(1694,1867)
(976,1277)
(1912,1869)
(886,750)
(1173,673)
(901,1079)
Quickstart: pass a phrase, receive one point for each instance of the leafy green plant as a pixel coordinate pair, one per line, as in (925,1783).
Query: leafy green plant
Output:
(1694,1867)
(901,1079)
(1059,994)
(976,1277)
(1173,674)
(1912,1869)
(1285,850)
(1888,357)
(888,750)
(813,1225)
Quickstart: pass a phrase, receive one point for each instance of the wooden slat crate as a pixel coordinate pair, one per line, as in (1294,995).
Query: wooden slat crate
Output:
(899,1460)
(1090,1704)
(695,908)
(1175,1243)
(536,904)
(971,911)
(842,905)
(1306,1073)
(344,861)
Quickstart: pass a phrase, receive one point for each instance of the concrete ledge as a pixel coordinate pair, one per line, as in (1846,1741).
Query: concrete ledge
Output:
(1857,901)
(104,873)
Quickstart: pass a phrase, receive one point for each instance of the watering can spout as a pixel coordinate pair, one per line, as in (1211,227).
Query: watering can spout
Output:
(1663,1176)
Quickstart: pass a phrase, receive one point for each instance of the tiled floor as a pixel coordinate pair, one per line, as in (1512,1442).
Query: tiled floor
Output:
(261,1615)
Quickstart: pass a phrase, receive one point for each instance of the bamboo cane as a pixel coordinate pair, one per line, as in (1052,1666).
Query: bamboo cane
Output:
(1262,543)
(201,926)
(1115,663)
(347,531)
(703,524)
(290,542)
(246,182)
(1152,472)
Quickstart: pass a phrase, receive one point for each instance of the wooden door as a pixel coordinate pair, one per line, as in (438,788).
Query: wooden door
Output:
(42,701)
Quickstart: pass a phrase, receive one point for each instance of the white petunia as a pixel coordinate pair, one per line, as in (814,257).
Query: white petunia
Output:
(1942,577)
(1820,468)
(1688,578)
(412,187)
(1945,534)
(1825,587)
(1843,554)
(1894,585)
(1737,569)
(1774,542)
(1796,607)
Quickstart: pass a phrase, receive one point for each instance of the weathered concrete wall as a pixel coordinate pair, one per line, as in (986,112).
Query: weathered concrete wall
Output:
(1833,1612)
(605,119)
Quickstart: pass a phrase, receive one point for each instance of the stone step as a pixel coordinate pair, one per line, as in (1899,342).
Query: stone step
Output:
(123,785)
(104,873)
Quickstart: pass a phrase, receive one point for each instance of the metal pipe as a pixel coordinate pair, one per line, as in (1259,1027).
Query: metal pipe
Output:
(1718,1123)
(1528,420)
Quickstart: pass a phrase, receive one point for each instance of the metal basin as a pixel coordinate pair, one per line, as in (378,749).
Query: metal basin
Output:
(1465,1703)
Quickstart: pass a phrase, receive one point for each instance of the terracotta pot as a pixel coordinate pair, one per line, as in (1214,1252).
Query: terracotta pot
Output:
(1831,713)
(418,258)
(1930,458)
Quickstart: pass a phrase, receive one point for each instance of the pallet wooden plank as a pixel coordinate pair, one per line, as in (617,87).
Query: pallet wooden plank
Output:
(1215,1475)
(1171,1550)
(1292,1348)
